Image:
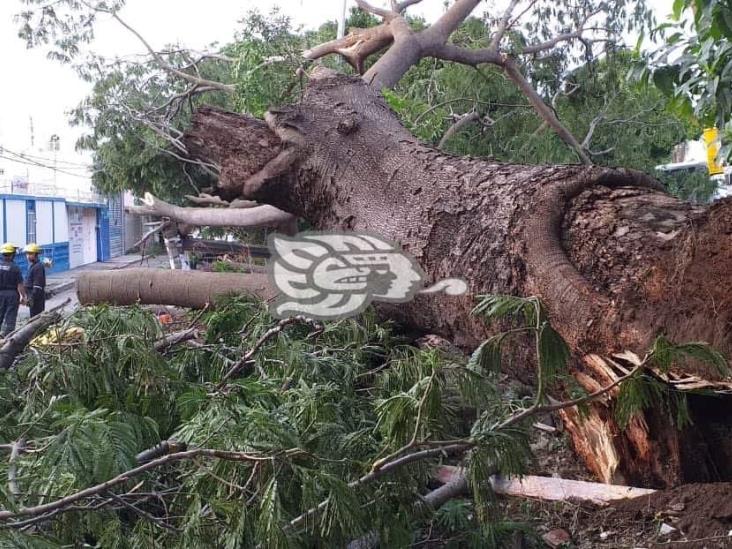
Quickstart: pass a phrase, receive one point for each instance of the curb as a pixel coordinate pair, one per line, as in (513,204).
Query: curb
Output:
(58,288)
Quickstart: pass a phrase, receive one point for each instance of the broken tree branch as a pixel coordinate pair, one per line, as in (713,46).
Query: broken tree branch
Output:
(61,504)
(175,338)
(16,342)
(162,287)
(550,488)
(258,216)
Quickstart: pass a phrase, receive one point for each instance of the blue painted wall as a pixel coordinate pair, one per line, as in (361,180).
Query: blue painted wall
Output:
(58,252)
(103,252)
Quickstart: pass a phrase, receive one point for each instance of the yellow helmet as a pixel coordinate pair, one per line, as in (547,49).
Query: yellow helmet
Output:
(7,248)
(33,248)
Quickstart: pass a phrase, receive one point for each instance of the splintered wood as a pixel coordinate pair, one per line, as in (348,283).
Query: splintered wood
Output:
(552,489)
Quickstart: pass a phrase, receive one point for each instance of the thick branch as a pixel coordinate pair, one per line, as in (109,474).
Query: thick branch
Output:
(17,341)
(193,289)
(356,46)
(259,216)
(466,56)
(440,30)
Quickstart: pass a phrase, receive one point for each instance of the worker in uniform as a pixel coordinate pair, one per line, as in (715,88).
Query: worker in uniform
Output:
(12,290)
(35,280)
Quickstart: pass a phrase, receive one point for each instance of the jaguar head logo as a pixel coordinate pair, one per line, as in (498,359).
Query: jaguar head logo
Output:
(332,275)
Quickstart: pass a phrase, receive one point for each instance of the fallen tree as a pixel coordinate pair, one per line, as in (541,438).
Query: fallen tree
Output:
(614,258)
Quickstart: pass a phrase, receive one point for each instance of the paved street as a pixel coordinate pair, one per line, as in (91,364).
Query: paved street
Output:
(63,285)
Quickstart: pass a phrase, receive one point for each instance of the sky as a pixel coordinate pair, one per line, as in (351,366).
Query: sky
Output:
(43,90)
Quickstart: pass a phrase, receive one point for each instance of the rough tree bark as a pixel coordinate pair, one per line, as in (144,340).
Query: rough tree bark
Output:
(615,259)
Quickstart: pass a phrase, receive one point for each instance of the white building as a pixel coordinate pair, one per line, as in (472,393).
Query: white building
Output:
(47,197)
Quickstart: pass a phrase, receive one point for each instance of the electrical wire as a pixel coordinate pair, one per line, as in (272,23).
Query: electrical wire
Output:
(29,162)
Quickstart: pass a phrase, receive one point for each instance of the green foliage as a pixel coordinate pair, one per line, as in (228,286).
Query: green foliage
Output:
(693,186)
(551,351)
(694,66)
(325,408)
(664,354)
(634,126)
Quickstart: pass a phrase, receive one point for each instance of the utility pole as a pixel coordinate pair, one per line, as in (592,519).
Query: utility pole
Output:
(342,20)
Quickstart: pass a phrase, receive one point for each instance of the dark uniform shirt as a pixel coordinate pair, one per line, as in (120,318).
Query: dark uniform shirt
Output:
(36,277)
(10,276)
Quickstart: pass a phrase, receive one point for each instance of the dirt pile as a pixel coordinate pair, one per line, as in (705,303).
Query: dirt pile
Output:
(697,511)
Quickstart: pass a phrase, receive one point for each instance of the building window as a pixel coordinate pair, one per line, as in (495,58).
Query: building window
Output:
(31,221)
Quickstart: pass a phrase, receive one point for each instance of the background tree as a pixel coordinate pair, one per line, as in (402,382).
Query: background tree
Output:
(693,65)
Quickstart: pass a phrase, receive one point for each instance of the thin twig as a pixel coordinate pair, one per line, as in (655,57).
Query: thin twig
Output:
(269,334)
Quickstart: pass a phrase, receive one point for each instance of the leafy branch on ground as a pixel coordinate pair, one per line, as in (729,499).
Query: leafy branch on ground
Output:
(323,438)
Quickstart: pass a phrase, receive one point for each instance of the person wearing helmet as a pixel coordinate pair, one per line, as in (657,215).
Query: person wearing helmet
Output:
(12,290)
(35,280)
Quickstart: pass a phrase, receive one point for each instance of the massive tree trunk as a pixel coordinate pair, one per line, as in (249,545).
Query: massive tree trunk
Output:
(615,259)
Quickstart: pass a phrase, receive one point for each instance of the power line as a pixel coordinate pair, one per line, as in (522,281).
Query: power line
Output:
(35,158)
(29,162)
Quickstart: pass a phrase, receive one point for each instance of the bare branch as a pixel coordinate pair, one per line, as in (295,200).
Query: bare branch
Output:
(259,216)
(439,32)
(461,122)
(503,25)
(156,229)
(16,342)
(514,73)
(228,88)
(466,56)
(175,338)
(591,130)
(356,46)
